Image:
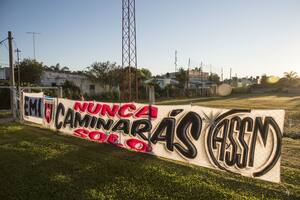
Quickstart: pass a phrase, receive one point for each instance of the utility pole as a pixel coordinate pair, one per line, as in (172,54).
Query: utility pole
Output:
(222,74)
(18,59)
(201,70)
(175,61)
(12,74)
(230,77)
(33,41)
(188,74)
(10,49)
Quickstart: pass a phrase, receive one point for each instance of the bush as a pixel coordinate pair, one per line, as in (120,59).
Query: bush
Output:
(71,91)
(111,96)
(5,99)
(240,90)
(50,92)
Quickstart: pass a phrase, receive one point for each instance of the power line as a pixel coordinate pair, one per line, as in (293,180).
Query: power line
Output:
(3,40)
(15,43)
(4,44)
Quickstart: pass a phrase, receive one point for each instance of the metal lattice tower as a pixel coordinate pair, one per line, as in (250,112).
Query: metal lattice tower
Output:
(129,53)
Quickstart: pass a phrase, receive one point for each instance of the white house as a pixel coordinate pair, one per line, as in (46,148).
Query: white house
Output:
(86,85)
(4,73)
(163,82)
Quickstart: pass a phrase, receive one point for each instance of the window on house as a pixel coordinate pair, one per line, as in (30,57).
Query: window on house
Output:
(92,89)
(53,84)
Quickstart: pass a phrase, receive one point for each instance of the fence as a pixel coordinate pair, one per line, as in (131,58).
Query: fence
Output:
(11,99)
(292,128)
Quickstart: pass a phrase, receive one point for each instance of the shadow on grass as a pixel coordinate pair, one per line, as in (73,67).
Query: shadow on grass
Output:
(39,164)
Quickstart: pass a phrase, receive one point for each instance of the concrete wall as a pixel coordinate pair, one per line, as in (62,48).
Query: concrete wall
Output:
(51,78)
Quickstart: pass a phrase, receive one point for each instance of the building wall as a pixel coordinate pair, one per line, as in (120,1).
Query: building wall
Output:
(51,78)
(196,74)
(4,73)
(193,75)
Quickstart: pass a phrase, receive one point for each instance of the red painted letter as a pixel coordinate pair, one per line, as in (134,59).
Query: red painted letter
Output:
(137,145)
(129,107)
(106,109)
(81,132)
(80,106)
(146,111)
(97,136)
(96,110)
(113,139)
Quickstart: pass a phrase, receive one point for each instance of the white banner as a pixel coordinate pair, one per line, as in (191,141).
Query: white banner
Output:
(242,141)
(33,107)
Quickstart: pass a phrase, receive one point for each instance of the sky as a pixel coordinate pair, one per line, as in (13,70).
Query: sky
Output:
(252,37)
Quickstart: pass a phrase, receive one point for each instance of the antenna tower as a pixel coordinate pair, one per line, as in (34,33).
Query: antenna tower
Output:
(129,53)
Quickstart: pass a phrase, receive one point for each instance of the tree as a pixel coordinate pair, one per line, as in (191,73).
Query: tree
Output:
(290,79)
(264,80)
(71,91)
(56,67)
(167,75)
(181,77)
(111,75)
(144,74)
(108,74)
(283,83)
(214,78)
(65,69)
(115,75)
(30,71)
(290,76)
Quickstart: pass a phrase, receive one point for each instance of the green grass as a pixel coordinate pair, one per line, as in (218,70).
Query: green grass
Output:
(40,164)
(5,114)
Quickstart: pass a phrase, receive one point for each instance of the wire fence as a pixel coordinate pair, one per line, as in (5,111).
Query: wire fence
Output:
(292,128)
(290,123)
(10,109)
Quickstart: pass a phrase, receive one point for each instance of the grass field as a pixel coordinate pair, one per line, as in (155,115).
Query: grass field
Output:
(5,114)
(289,102)
(40,164)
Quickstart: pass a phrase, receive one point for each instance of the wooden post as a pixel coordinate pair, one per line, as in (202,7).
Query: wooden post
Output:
(60,92)
(12,76)
(151,95)
(20,105)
